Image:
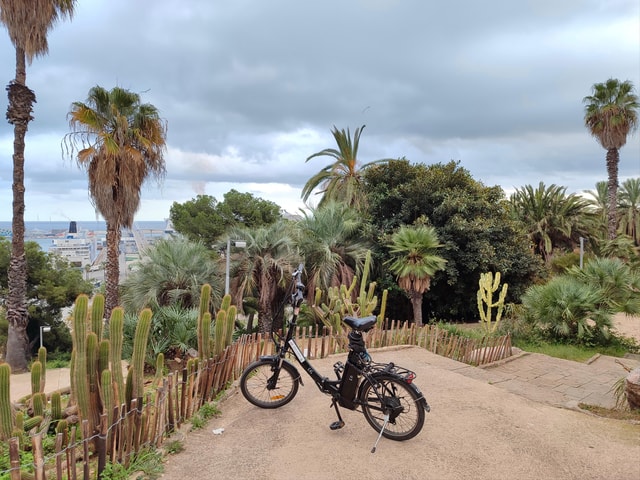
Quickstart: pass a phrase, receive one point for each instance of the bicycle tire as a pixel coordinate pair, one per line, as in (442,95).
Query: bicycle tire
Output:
(407,417)
(254,379)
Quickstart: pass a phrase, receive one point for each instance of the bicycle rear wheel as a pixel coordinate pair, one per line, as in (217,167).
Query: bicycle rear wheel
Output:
(259,386)
(397,399)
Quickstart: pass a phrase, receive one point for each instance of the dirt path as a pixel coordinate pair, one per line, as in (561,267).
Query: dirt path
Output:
(475,431)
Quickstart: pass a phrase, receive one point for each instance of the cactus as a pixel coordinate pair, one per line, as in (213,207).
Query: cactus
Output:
(204,322)
(220,328)
(488,285)
(36,380)
(107,394)
(38,404)
(340,303)
(139,351)
(116,335)
(31,423)
(19,421)
(62,426)
(6,412)
(97,315)
(56,406)
(128,391)
(232,313)
(103,356)
(79,337)
(42,358)
(92,372)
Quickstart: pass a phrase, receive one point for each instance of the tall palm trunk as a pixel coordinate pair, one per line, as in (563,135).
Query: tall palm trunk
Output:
(416,304)
(613,159)
(21,101)
(112,277)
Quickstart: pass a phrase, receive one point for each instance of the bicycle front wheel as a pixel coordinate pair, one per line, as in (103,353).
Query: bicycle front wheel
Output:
(392,396)
(266,386)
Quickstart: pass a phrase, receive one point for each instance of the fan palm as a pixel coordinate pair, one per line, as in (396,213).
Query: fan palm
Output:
(172,273)
(551,217)
(342,180)
(28,24)
(329,240)
(629,207)
(120,142)
(414,262)
(611,113)
(264,267)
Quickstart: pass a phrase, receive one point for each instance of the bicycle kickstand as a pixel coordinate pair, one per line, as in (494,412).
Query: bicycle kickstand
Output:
(338,423)
(384,425)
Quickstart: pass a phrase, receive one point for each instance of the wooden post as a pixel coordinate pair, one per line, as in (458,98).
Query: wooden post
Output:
(14,457)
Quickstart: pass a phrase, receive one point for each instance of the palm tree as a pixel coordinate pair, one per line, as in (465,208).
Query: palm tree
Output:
(329,239)
(414,262)
(552,218)
(629,207)
(341,180)
(611,113)
(28,24)
(172,273)
(264,268)
(119,142)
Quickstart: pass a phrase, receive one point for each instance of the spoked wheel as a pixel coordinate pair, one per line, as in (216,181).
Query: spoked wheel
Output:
(263,388)
(399,401)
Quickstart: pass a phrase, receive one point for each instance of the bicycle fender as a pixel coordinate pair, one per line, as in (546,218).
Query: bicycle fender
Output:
(411,386)
(275,358)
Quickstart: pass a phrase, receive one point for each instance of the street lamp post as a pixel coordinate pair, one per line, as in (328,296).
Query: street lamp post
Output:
(236,243)
(43,329)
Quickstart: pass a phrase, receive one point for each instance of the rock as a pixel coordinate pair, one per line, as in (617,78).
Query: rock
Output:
(632,388)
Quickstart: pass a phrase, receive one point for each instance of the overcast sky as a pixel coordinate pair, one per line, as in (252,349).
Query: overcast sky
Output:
(251,88)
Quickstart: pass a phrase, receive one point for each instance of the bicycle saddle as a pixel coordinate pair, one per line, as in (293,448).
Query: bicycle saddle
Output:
(363,324)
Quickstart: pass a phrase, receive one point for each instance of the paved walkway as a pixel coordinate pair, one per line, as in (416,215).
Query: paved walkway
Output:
(562,383)
(558,382)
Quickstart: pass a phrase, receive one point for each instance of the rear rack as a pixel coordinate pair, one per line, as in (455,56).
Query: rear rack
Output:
(391,368)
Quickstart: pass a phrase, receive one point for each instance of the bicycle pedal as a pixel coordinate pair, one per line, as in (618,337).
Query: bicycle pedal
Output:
(336,425)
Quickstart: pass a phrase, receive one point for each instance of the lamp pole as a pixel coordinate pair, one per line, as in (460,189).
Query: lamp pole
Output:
(43,328)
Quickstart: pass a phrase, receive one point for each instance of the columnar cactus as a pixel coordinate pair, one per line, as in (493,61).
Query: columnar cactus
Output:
(103,356)
(42,358)
(92,372)
(56,406)
(139,351)
(81,379)
(488,285)
(6,411)
(38,404)
(107,394)
(116,336)
(157,380)
(36,377)
(97,315)
(204,323)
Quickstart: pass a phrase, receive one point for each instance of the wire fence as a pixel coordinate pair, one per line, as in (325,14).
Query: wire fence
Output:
(167,405)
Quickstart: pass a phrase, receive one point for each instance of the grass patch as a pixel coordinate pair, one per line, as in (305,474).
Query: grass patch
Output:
(617,414)
(570,352)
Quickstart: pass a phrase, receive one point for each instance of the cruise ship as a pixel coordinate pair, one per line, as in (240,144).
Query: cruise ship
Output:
(79,250)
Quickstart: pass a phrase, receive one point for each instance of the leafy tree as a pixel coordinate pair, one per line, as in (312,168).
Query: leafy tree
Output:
(264,267)
(52,285)
(172,273)
(472,224)
(28,27)
(629,207)
(414,262)
(598,200)
(197,219)
(330,240)
(120,142)
(552,218)
(205,219)
(611,113)
(342,180)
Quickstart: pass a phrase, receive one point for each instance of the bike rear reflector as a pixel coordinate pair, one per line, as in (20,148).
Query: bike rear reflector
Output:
(277,397)
(410,377)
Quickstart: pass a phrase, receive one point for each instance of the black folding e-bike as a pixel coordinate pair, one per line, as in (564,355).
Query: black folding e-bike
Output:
(392,404)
